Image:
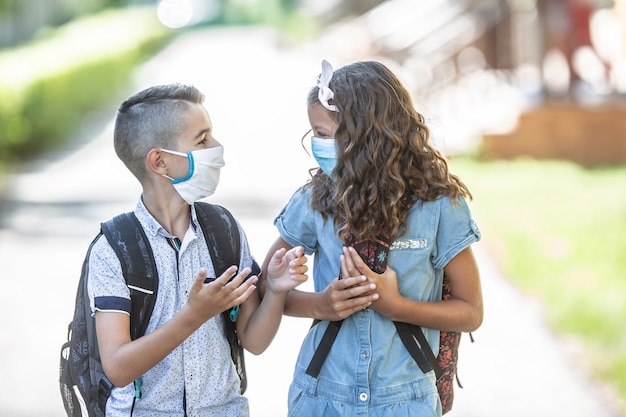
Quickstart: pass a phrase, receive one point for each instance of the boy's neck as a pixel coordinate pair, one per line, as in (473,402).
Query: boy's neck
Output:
(174,215)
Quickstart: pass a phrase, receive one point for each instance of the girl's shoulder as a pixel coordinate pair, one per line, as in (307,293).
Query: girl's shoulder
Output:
(442,202)
(301,196)
(298,206)
(443,209)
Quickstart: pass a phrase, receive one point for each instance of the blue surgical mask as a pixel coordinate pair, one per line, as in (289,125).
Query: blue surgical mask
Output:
(325,153)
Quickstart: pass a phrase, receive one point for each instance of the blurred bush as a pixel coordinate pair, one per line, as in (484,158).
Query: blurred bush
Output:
(48,85)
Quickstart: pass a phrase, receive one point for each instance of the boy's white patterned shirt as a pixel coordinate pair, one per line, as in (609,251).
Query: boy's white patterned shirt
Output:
(200,368)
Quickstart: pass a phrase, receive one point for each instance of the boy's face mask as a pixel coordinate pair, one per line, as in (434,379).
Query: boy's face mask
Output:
(325,153)
(203,176)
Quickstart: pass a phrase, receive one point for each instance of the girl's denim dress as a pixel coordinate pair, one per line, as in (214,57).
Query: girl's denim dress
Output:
(368,371)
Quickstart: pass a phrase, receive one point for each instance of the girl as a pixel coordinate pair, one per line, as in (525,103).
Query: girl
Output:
(383,188)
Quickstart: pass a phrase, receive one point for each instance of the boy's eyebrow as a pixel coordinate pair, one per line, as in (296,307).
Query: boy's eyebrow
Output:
(202,133)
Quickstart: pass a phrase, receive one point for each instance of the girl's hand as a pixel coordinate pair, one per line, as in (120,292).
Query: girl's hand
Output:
(386,283)
(344,297)
(286,270)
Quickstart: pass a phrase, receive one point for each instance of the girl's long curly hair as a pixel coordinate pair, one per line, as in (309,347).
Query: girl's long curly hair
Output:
(384,155)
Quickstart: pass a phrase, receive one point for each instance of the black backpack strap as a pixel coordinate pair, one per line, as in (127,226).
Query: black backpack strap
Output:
(322,350)
(221,234)
(423,356)
(223,240)
(130,243)
(422,353)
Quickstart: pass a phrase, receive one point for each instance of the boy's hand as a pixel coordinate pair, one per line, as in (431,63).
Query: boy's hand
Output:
(286,270)
(208,300)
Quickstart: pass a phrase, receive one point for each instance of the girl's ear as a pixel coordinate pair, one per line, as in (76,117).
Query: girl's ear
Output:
(156,162)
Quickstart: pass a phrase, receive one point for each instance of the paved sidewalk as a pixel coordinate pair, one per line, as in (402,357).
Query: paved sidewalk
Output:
(256,97)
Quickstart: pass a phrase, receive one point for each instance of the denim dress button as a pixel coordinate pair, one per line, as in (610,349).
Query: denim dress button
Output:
(363,396)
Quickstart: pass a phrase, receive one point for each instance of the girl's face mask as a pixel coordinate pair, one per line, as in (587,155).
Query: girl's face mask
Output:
(325,153)
(203,176)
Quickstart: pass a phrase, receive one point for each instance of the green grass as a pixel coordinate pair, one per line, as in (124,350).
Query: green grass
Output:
(558,231)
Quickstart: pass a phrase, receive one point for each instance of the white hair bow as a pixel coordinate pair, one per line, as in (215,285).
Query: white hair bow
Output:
(325,93)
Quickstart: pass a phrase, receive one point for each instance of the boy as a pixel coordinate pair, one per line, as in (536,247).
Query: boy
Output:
(182,366)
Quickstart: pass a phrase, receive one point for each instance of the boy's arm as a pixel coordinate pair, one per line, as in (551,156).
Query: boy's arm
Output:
(258,320)
(124,360)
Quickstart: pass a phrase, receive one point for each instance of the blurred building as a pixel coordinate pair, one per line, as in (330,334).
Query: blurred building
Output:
(543,78)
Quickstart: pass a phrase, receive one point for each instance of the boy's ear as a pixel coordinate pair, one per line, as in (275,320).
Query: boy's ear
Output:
(156,162)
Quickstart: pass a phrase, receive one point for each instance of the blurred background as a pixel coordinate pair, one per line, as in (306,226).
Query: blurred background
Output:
(526,98)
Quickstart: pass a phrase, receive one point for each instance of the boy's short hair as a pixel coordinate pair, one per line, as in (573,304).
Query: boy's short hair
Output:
(152,118)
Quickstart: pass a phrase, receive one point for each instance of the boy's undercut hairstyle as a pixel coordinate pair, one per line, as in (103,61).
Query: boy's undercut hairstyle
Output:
(152,118)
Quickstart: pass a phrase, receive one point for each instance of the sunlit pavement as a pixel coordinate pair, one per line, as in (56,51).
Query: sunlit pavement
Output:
(255,93)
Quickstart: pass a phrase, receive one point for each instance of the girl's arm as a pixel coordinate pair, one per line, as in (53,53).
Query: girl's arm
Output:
(259,320)
(339,300)
(463,312)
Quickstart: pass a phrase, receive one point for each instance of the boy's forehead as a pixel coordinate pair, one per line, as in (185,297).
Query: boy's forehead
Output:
(196,125)
(199,116)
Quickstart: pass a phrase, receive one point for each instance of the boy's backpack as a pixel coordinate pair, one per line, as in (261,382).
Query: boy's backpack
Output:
(84,386)
(374,254)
